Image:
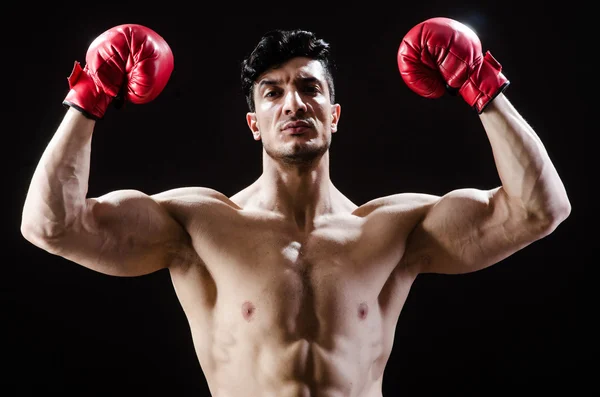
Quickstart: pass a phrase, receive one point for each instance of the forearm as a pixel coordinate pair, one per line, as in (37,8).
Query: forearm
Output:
(525,169)
(59,184)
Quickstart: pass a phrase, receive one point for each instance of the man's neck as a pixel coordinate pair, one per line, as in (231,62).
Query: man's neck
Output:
(300,193)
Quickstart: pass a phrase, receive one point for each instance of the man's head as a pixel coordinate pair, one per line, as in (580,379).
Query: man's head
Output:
(288,83)
(279,46)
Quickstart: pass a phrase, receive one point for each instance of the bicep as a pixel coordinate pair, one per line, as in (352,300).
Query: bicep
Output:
(468,230)
(123,233)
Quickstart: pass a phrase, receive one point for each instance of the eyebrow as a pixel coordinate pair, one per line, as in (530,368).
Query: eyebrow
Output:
(304,80)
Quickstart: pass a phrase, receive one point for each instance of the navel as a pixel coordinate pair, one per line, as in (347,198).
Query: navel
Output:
(363,311)
(248,310)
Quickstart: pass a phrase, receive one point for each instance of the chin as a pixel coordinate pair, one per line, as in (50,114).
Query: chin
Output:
(297,152)
(304,156)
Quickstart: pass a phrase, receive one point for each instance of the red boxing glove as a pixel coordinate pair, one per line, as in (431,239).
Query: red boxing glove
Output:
(125,63)
(442,55)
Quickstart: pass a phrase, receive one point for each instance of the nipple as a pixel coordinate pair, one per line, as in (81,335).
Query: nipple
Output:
(248,310)
(363,310)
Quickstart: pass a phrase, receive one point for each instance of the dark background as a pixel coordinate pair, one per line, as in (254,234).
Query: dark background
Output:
(519,325)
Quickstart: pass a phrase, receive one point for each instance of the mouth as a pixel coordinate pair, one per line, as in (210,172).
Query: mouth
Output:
(296,127)
(295,130)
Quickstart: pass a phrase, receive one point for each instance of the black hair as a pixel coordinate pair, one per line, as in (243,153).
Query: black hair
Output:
(279,46)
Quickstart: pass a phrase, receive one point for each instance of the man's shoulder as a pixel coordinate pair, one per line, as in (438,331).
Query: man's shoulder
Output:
(399,202)
(193,195)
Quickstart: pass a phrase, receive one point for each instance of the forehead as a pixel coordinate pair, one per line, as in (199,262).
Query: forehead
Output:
(294,69)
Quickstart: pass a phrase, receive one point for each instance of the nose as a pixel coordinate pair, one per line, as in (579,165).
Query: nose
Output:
(293,103)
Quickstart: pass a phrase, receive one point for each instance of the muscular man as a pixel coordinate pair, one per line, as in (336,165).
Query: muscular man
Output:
(290,288)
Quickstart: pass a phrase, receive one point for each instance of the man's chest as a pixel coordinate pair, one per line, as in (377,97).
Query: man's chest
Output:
(269,274)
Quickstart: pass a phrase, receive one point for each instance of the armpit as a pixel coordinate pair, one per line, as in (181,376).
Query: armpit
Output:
(415,262)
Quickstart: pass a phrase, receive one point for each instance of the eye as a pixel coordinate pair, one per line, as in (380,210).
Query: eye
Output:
(270,94)
(311,89)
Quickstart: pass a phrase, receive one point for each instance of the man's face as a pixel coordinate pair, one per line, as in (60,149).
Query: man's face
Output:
(294,117)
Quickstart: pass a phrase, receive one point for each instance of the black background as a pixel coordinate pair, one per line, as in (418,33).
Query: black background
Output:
(515,326)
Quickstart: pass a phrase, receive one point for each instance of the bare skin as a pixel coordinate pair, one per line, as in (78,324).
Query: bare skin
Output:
(291,289)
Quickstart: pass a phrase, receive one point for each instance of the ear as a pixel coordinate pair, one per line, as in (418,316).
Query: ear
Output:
(253,125)
(336,111)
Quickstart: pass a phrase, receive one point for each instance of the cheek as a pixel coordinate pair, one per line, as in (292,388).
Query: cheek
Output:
(323,112)
(265,115)
(325,119)
(267,107)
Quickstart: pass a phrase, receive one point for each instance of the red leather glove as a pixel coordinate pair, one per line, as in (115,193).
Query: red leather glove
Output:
(127,63)
(442,55)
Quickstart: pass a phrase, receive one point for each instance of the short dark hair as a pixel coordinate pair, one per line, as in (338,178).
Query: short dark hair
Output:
(279,46)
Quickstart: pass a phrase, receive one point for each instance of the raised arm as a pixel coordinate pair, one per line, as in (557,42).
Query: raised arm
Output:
(124,232)
(470,229)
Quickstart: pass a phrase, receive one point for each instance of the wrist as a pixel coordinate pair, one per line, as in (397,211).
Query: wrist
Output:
(485,82)
(84,95)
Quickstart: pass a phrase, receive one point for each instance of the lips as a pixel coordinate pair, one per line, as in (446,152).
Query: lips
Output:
(296,126)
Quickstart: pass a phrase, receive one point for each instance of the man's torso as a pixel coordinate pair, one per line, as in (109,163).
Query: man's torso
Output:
(275,311)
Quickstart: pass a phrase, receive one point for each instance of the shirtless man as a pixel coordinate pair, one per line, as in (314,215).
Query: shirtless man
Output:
(290,288)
